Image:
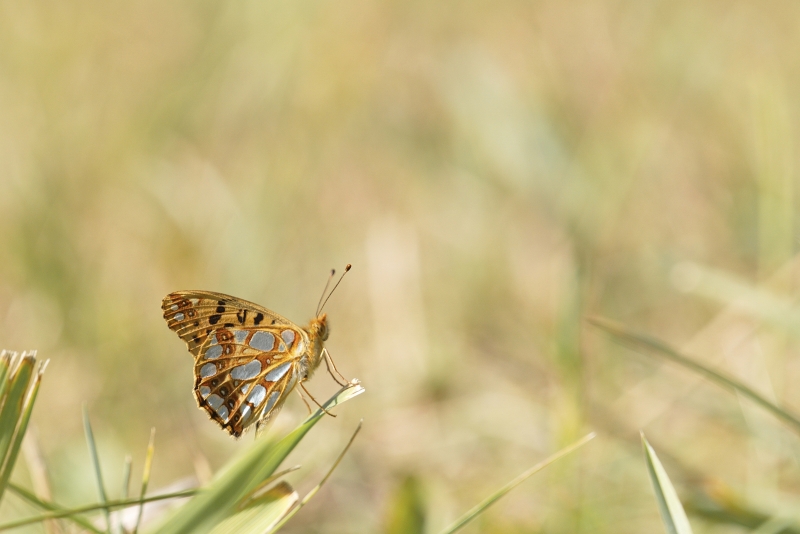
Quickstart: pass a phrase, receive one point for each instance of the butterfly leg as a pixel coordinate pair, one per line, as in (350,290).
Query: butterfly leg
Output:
(315,400)
(329,363)
(304,401)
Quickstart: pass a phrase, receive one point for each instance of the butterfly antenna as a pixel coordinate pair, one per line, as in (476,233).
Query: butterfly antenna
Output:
(319,304)
(347,268)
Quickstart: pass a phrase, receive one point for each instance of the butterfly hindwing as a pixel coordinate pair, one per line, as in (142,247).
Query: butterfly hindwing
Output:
(246,357)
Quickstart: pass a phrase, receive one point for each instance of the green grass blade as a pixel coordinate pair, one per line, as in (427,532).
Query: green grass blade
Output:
(221,497)
(475,512)
(148,464)
(109,505)
(776,525)
(672,514)
(32,499)
(262,514)
(12,411)
(126,477)
(315,489)
(639,341)
(22,426)
(126,483)
(6,359)
(101,489)
(407,509)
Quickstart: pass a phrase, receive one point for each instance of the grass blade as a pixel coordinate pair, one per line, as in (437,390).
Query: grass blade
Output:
(126,483)
(639,341)
(315,489)
(237,482)
(6,360)
(407,508)
(22,426)
(12,412)
(475,512)
(101,490)
(30,498)
(672,513)
(261,515)
(148,465)
(108,505)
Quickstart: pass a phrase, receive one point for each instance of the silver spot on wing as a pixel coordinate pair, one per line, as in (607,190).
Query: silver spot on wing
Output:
(215,401)
(222,411)
(271,402)
(240,336)
(288,337)
(292,381)
(278,372)
(205,391)
(246,371)
(263,341)
(179,317)
(207,370)
(173,307)
(214,352)
(257,395)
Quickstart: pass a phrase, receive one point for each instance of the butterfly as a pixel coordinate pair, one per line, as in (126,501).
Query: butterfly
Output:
(247,359)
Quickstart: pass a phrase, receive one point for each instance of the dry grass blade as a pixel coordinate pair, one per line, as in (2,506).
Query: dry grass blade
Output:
(101,490)
(651,345)
(672,513)
(316,488)
(221,498)
(30,498)
(109,505)
(261,514)
(480,508)
(148,464)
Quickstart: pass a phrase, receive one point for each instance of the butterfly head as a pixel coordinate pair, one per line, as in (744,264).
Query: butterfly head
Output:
(319,327)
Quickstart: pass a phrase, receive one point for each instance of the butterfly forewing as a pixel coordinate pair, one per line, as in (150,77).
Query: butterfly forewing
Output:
(246,357)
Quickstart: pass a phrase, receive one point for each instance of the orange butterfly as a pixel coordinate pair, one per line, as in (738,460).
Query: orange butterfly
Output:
(247,359)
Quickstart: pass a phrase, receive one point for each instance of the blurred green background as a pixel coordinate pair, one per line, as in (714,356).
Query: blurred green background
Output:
(494,171)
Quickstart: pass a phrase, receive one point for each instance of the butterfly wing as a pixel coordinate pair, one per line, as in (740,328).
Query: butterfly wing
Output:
(247,358)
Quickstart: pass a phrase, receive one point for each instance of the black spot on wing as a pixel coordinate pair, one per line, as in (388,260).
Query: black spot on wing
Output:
(214,319)
(242,316)
(258,318)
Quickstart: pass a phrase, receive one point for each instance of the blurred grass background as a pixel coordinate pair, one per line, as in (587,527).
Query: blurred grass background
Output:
(494,171)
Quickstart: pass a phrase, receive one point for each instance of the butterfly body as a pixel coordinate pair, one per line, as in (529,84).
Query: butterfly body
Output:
(247,358)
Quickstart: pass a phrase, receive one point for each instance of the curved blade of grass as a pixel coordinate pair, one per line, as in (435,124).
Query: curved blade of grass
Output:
(22,426)
(6,360)
(50,507)
(126,485)
(148,464)
(776,525)
(475,512)
(261,514)
(672,514)
(220,498)
(290,513)
(109,505)
(12,410)
(101,489)
(649,344)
